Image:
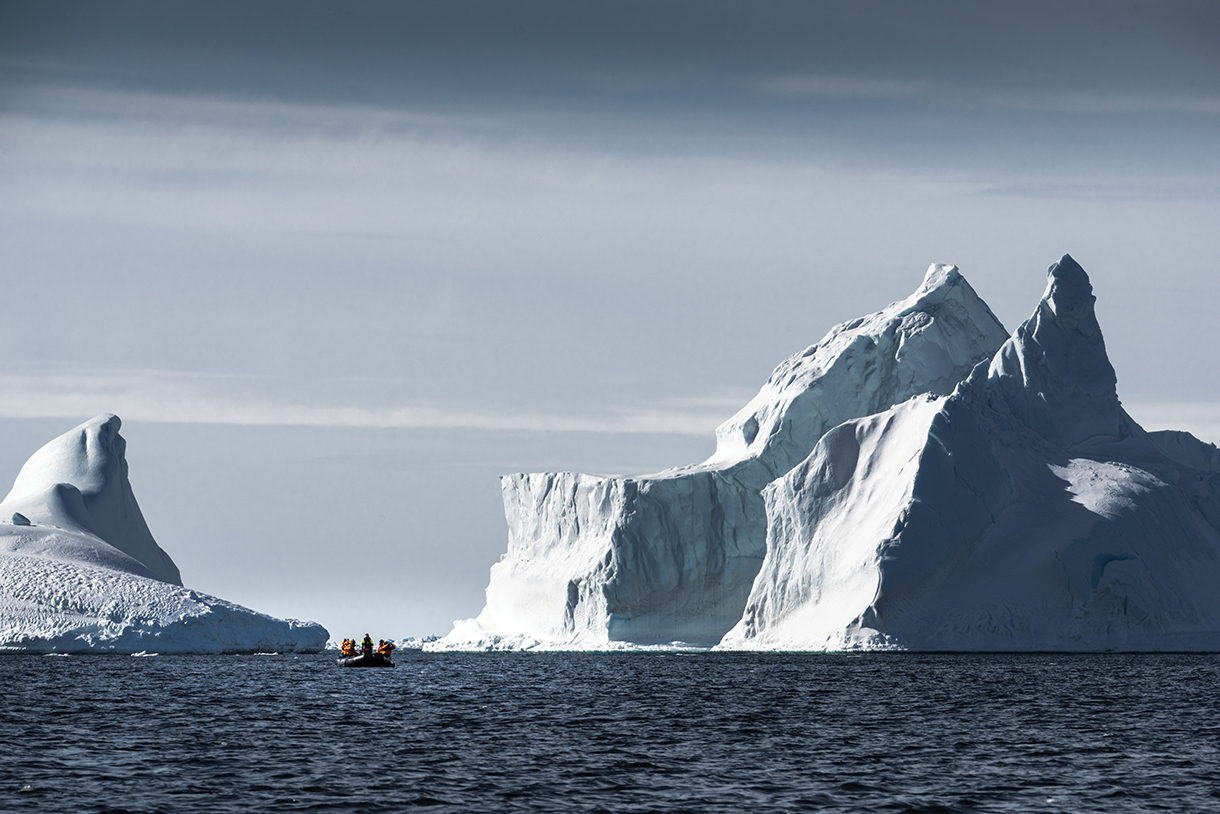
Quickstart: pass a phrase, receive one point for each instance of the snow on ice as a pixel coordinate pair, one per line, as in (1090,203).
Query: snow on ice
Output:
(916,480)
(80,571)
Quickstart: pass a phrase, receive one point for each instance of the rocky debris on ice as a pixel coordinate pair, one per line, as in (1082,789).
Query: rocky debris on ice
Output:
(670,558)
(1026,511)
(80,571)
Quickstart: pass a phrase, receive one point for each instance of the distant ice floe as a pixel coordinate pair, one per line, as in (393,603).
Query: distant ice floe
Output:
(917,480)
(409,643)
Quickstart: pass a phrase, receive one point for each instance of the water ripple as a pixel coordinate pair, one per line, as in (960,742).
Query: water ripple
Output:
(611,732)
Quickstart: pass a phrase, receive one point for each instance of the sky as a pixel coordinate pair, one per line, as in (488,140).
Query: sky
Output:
(339,266)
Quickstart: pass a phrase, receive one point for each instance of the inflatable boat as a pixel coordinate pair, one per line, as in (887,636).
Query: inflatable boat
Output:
(366,660)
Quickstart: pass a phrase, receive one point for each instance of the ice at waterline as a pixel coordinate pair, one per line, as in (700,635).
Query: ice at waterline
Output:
(80,571)
(918,479)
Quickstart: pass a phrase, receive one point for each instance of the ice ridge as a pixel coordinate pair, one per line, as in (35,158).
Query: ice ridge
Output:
(1026,511)
(594,561)
(1054,373)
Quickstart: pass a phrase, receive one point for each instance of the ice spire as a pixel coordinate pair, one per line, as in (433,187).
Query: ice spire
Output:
(79,481)
(1053,373)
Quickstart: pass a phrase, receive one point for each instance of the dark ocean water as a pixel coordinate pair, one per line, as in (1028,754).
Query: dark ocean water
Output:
(616,733)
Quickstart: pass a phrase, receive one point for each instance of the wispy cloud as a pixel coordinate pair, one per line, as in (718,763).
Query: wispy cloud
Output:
(951,95)
(1164,189)
(257,167)
(1200,418)
(838,87)
(1090,102)
(198,398)
(187,398)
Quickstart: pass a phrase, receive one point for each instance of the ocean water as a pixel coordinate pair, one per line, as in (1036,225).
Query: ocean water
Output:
(612,733)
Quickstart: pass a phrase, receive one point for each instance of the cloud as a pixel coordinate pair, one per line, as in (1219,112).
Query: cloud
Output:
(1162,189)
(838,87)
(252,166)
(189,398)
(162,396)
(264,166)
(1200,418)
(954,94)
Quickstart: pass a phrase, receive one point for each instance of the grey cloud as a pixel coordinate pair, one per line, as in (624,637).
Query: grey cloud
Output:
(636,53)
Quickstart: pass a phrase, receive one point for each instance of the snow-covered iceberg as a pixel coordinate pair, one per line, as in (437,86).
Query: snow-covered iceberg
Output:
(80,571)
(1026,511)
(884,491)
(602,562)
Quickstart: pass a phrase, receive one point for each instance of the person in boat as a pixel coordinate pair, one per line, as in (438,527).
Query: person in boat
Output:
(367,645)
(349,647)
(385,648)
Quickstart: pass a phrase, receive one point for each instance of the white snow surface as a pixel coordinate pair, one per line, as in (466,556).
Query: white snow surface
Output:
(80,571)
(52,605)
(823,564)
(1026,511)
(883,491)
(668,560)
(78,482)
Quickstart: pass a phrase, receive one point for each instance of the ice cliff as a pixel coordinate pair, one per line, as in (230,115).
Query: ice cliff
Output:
(1025,511)
(80,571)
(594,561)
(916,480)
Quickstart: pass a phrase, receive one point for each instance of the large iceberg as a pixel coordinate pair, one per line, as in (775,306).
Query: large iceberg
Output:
(597,561)
(80,571)
(917,480)
(1026,511)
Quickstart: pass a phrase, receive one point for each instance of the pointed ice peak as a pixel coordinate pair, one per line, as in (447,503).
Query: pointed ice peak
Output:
(939,275)
(88,457)
(1069,294)
(941,281)
(926,343)
(1054,372)
(78,481)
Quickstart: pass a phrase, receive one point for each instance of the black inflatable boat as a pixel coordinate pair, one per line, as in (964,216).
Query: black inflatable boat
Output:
(366,660)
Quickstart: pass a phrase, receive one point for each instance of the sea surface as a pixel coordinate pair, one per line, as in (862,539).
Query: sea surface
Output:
(611,732)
